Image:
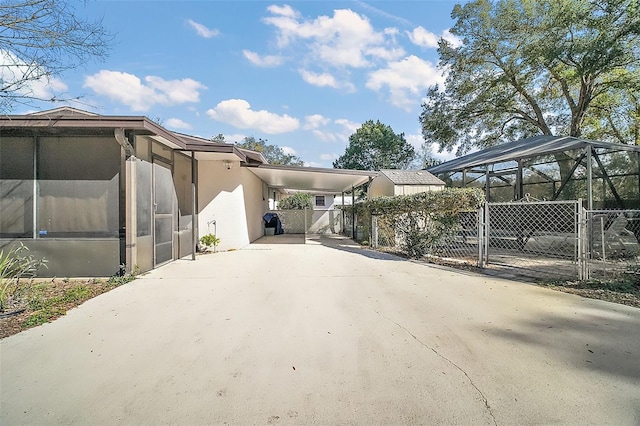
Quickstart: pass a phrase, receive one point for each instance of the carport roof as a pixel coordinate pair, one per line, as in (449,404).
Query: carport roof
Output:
(311,178)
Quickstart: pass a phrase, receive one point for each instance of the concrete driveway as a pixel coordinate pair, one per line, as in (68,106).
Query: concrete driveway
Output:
(328,334)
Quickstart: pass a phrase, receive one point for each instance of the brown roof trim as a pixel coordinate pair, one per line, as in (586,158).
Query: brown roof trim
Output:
(137,123)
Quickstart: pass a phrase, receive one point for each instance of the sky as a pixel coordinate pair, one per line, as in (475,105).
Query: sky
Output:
(304,75)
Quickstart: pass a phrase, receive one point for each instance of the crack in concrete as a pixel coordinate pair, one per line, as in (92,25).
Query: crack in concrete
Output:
(482,396)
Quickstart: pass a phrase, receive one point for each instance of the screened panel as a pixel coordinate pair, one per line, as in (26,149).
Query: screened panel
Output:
(143,198)
(16,187)
(78,187)
(182,182)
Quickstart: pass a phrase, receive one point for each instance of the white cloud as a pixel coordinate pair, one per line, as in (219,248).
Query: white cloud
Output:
(420,36)
(405,79)
(238,113)
(288,150)
(415,140)
(141,96)
(315,121)
(234,137)
(285,10)
(346,39)
(325,136)
(455,41)
(202,30)
(176,123)
(348,125)
(16,76)
(328,157)
(263,61)
(320,80)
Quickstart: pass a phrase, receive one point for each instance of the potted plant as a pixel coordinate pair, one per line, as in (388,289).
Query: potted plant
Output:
(208,241)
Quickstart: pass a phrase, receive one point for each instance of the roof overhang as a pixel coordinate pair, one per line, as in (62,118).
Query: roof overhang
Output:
(311,178)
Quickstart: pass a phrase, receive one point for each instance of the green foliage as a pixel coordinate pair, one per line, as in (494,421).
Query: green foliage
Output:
(209,240)
(530,67)
(296,201)
(374,146)
(273,153)
(17,271)
(424,221)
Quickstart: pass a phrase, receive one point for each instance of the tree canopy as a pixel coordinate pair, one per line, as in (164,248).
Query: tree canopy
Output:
(530,67)
(39,40)
(375,146)
(273,153)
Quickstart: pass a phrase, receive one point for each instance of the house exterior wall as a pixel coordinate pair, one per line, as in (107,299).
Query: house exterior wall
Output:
(234,199)
(381,186)
(328,201)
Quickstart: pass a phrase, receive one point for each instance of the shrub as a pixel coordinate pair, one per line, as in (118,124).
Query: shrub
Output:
(210,240)
(297,201)
(17,271)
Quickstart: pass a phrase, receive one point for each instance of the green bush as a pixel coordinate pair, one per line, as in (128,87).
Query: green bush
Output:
(210,240)
(297,201)
(421,222)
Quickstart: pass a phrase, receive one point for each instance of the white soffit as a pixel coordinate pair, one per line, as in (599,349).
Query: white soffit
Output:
(311,178)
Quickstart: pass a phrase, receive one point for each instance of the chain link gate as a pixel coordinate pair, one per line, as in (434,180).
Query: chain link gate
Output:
(538,239)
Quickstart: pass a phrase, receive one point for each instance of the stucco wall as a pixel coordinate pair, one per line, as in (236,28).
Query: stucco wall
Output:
(234,199)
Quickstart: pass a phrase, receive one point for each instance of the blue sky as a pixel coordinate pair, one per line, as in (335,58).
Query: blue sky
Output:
(302,74)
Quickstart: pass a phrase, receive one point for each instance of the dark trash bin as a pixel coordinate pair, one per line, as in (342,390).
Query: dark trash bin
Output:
(271,220)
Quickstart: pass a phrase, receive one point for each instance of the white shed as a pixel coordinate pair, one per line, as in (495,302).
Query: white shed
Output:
(403,182)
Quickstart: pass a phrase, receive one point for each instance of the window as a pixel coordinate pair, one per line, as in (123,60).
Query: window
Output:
(319,200)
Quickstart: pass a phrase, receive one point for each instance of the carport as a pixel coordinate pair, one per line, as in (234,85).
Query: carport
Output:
(313,179)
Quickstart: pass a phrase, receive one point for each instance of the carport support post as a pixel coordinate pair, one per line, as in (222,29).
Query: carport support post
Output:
(194,216)
(353,213)
(343,230)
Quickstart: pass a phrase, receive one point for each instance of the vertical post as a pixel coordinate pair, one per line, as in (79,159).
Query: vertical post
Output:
(353,213)
(487,232)
(34,219)
(480,225)
(589,178)
(464,178)
(305,225)
(374,231)
(342,230)
(519,182)
(370,236)
(487,193)
(580,246)
(604,256)
(194,208)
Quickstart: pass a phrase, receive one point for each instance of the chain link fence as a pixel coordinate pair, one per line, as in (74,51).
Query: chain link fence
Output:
(459,241)
(612,243)
(545,240)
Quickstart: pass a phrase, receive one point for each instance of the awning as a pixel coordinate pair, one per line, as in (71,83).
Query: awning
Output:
(311,178)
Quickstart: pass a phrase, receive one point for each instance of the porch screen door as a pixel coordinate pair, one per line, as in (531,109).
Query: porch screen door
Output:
(163,207)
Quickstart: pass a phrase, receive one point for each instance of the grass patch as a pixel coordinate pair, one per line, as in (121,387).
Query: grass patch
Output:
(49,299)
(624,290)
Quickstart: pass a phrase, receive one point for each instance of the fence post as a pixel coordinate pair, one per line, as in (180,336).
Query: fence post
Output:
(305,225)
(487,232)
(580,237)
(374,231)
(480,237)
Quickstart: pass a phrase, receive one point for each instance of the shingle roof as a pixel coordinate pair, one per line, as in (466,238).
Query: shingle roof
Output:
(411,177)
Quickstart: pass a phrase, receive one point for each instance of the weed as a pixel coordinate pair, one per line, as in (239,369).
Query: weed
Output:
(17,271)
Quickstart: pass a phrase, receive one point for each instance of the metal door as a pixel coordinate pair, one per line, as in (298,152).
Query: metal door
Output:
(163,208)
